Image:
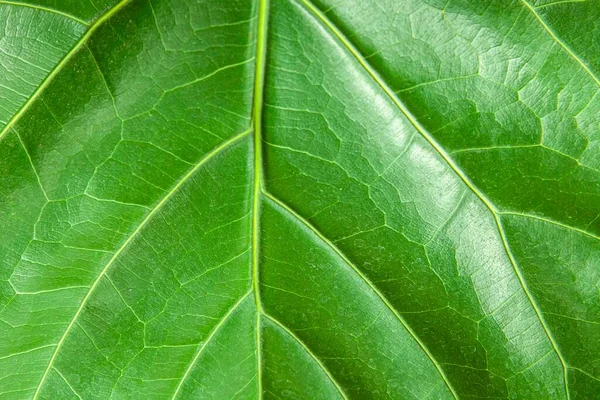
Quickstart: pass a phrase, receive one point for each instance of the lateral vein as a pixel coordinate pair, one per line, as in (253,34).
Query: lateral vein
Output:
(559,41)
(451,163)
(388,305)
(313,356)
(552,222)
(125,244)
(67,382)
(212,333)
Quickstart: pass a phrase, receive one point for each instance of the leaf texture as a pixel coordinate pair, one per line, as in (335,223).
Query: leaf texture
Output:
(299,200)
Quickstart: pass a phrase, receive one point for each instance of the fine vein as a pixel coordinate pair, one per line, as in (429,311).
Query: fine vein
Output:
(451,163)
(35,172)
(46,82)
(45,9)
(560,2)
(125,244)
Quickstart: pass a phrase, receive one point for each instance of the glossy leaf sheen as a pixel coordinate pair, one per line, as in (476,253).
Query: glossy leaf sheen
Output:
(284,199)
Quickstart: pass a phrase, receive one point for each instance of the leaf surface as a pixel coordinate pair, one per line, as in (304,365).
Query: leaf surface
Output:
(299,200)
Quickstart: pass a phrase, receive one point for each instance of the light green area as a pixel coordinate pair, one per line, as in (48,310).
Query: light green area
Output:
(284,199)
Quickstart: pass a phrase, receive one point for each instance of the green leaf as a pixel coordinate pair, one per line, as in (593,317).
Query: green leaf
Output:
(393,199)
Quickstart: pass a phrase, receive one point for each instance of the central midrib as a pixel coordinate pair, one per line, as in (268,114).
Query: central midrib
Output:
(258,176)
(260,189)
(257,110)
